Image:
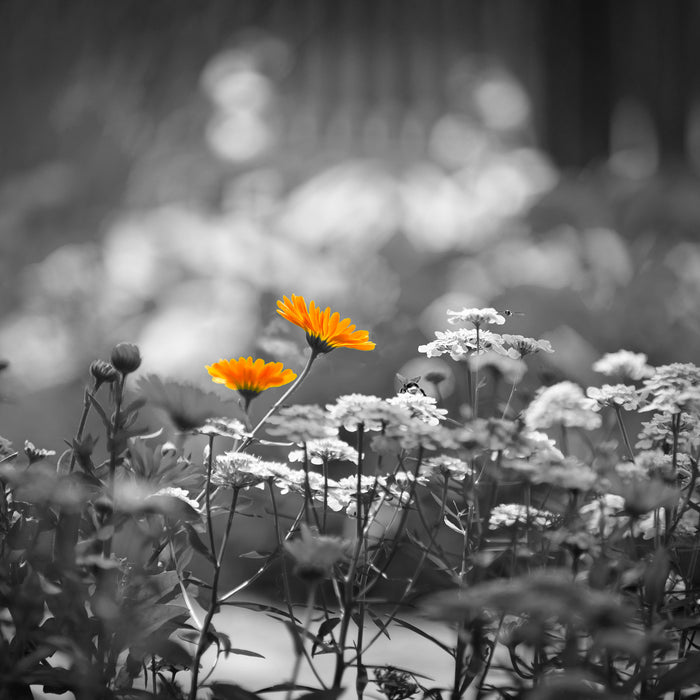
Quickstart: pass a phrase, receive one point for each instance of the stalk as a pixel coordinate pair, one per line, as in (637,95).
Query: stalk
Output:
(214,602)
(300,649)
(281,400)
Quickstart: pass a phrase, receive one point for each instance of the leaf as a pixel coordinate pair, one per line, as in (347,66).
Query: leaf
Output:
(152,620)
(326,627)
(424,634)
(285,686)
(260,607)
(329,694)
(231,691)
(196,541)
(171,652)
(101,412)
(681,676)
(245,652)
(254,555)
(379,623)
(655,577)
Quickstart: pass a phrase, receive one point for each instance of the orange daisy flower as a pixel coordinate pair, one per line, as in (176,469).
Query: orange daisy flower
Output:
(249,378)
(324,331)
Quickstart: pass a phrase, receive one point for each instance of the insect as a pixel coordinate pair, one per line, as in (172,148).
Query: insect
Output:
(508,312)
(409,386)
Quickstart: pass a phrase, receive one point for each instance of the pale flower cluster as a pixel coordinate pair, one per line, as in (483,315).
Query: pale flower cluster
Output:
(301,423)
(562,404)
(325,450)
(446,465)
(622,395)
(241,470)
(510,514)
(626,365)
(352,410)
(461,343)
(673,388)
(423,408)
(478,317)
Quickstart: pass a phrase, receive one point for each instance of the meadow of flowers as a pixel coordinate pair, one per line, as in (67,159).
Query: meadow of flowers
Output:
(554,535)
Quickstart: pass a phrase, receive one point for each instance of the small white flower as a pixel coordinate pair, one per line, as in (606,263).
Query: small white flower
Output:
(422,407)
(456,468)
(624,364)
(509,514)
(622,395)
(353,410)
(562,404)
(476,316)
(176,492)
(325,450)
(240,470)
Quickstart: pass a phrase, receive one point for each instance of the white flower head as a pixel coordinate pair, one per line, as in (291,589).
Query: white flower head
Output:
(622,395)
(510,514)
(422,407)
(353,410)
(526,346)
(447,465)
(562,404)
(624,364)
(462,342)
(179,493)
(241,470)
(603,515)
(478,317)
(325,450)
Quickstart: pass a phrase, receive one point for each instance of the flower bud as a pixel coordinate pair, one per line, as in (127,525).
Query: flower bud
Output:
(126,357)
(103,372)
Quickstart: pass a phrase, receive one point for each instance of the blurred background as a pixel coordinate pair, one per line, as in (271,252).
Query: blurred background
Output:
(169,169)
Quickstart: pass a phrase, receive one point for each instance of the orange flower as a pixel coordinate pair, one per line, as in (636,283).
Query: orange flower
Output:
(249,378)
(324,331)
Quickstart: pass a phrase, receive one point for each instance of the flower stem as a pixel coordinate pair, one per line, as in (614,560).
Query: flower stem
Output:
(214,601)
(623,431)
(281,400)
(300,651)
(349,598)
(114,429)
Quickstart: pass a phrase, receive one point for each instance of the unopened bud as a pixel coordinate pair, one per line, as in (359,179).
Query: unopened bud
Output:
(103,372)
(126,357)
